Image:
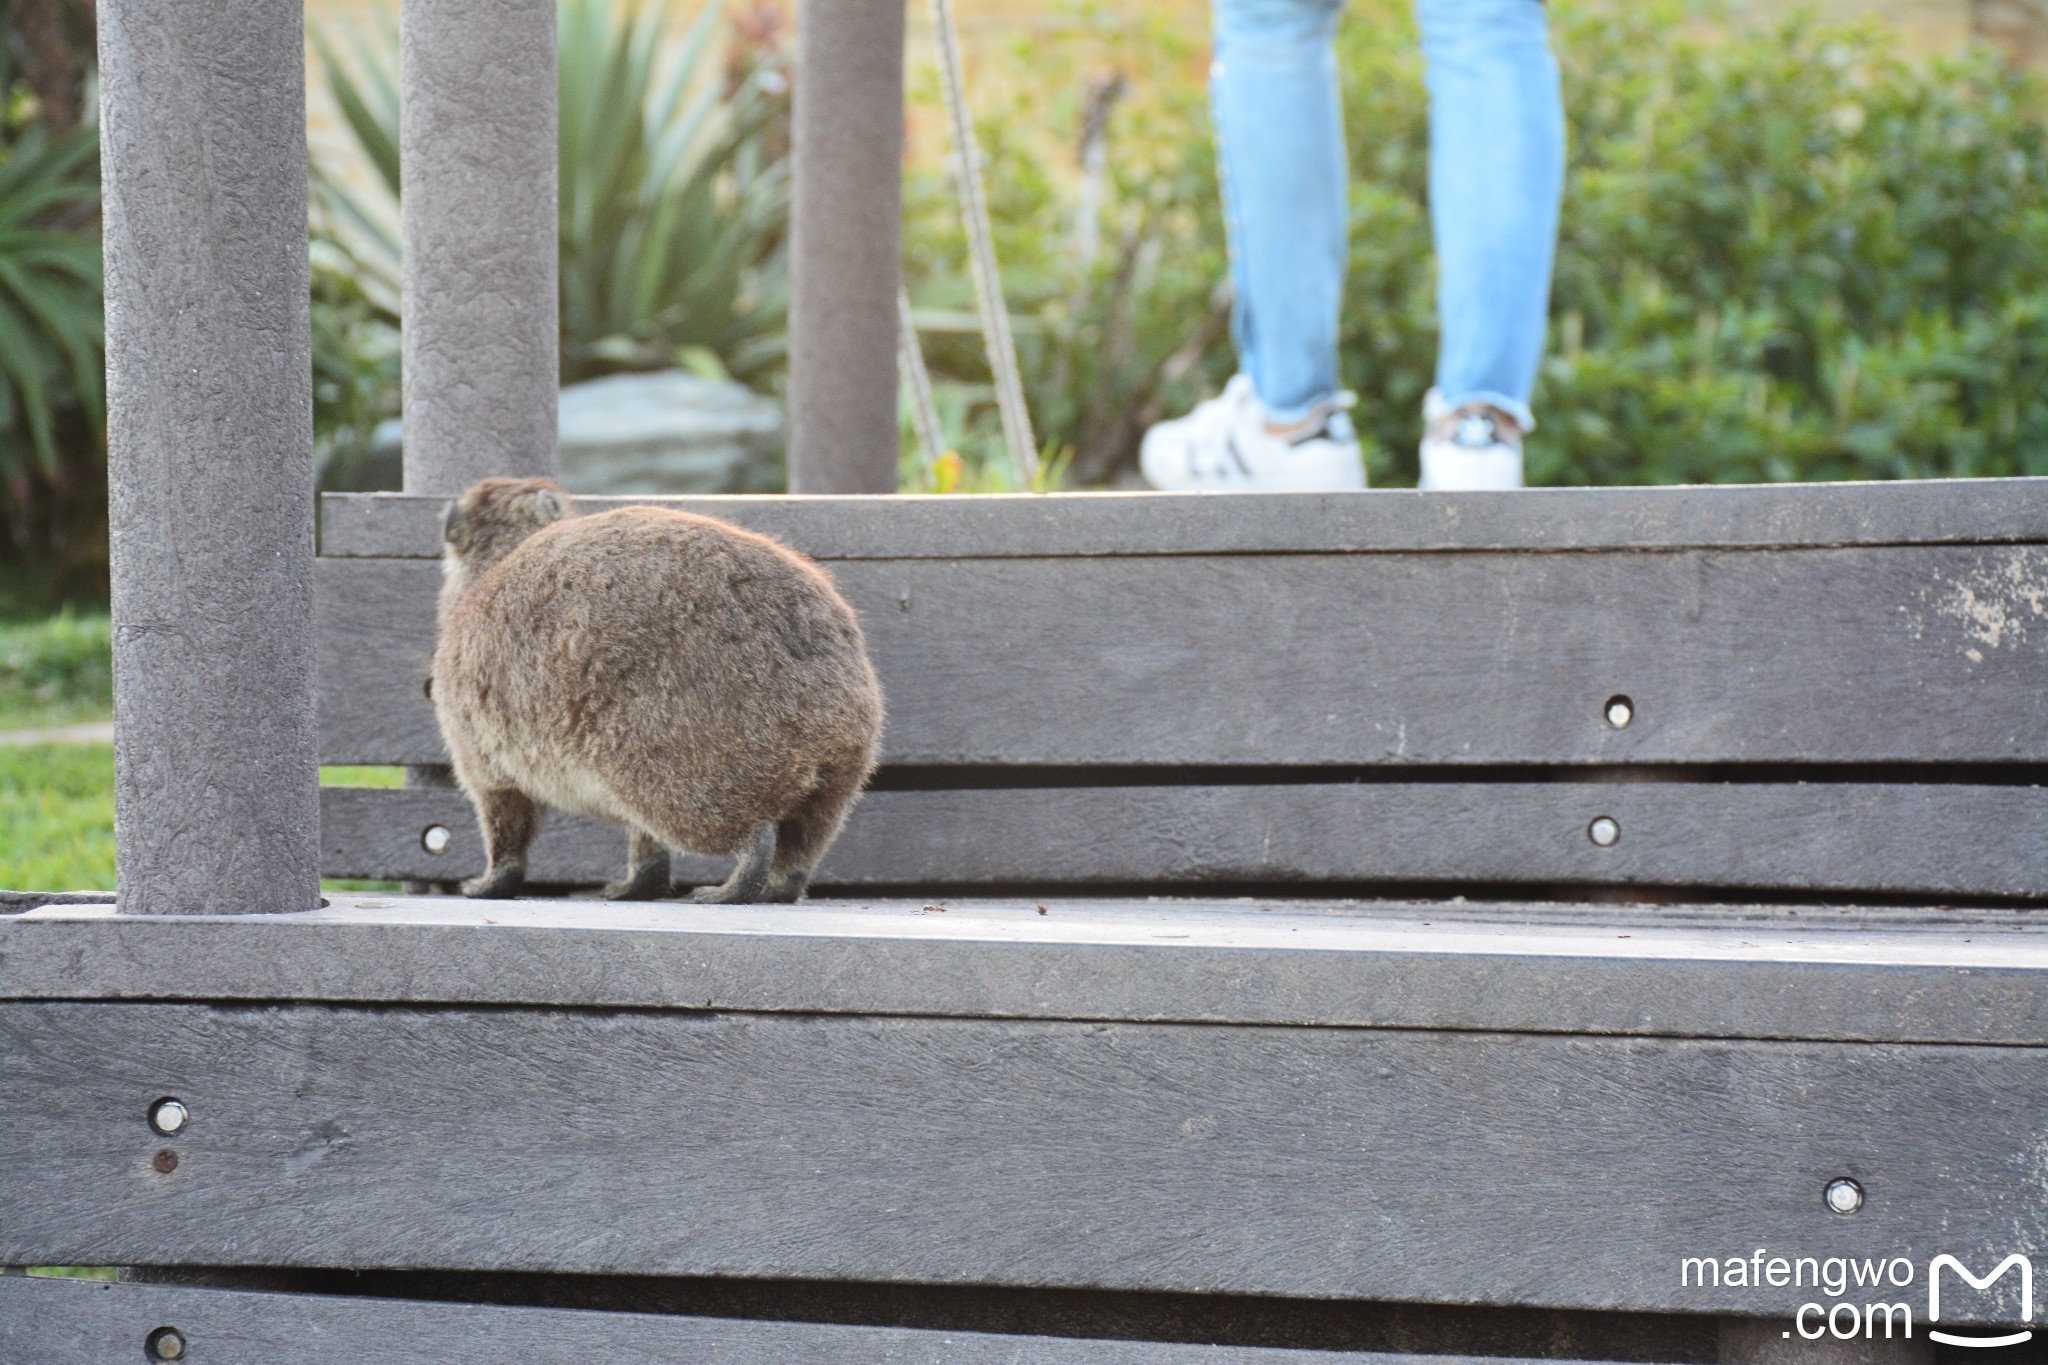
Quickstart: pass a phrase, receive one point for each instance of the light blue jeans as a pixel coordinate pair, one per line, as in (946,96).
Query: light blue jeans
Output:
(1496,172)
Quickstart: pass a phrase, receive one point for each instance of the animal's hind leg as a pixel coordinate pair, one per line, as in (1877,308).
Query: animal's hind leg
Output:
(509,820)
(750,878)
(803,838)
(646,871)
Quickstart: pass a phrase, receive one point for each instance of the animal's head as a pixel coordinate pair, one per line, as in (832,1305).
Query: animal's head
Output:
(491,519)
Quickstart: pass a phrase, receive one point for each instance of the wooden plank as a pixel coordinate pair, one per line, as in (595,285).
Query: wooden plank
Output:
(1710,971)
(1352,1163)
(1904,838)
(1874,655)
(1763,1341)
(1960,511)
(69,1322)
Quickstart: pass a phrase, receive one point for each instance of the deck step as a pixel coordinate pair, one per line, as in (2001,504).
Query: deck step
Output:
(69,1322)
(1317,1100)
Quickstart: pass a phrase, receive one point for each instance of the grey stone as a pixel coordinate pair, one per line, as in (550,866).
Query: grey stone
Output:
(669,432)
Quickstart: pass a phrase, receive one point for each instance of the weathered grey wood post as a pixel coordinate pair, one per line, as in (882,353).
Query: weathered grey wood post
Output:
(477,132)
(210,454)
(845,246)
(478,177)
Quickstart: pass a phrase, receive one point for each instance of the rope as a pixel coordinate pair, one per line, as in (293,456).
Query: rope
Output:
(923,413)
(988,286)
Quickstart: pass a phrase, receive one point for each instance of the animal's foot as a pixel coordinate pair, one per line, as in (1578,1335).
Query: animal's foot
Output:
(784,890)
(750,878)
(641,884)
(722,894)
(497,884)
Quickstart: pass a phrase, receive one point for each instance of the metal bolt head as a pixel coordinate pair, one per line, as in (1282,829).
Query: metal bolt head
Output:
(1604,831)
(169,1116)
(1620,711)
(435,840)
(1843,1195)
(165,1343)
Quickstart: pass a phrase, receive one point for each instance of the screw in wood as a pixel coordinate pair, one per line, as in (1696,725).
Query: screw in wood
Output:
(435,840)
(165,1343)
(1843,1195)
(1620,711)
(168,1116)
(1604,831)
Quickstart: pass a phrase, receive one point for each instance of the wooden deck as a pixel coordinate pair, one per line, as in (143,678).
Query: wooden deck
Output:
(1569,883)
(1317,1100)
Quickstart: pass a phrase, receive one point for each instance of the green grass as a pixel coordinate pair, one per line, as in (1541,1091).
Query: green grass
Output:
(57,800)
(57,817)
(76,1272)
(345,776)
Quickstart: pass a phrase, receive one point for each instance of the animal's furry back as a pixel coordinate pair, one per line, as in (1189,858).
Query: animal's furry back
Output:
(648,655)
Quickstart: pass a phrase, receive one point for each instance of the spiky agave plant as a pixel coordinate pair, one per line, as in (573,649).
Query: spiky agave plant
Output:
(674,189)
(52,405)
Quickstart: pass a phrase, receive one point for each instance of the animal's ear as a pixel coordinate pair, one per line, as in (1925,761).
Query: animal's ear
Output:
(546,506)
(455,527)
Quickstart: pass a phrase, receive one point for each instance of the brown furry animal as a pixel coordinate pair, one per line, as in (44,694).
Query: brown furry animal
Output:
(699,684)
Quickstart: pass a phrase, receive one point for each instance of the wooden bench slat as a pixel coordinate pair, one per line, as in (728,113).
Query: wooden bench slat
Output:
(1920,839)
(69,1322)
(1882,975)
(1956,511)
(1311,1162)
(1920,654)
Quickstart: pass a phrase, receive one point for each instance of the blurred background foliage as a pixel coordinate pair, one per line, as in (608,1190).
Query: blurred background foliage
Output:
(1788,251)
(1791,250)
(58,670)
(53,540)
(674,197)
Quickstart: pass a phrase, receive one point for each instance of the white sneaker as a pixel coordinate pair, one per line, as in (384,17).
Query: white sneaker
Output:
(1474,445)
(1225,443)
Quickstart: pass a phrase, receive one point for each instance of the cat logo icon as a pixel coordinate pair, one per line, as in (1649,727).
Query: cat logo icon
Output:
(2026,1269)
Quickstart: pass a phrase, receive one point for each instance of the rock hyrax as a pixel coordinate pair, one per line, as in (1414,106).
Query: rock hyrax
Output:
(697,683)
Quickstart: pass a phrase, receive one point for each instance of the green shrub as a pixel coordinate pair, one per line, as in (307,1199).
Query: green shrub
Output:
(1104,342)
(52,460)
(52,404)
(1787,253)
(675,196)
(55,670)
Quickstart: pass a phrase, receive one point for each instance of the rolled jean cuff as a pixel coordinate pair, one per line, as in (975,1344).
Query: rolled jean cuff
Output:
(1435,405)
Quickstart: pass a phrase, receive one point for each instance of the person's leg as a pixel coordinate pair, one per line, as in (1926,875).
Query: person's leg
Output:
(1281,423)
(1496,176)
(1280,130)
